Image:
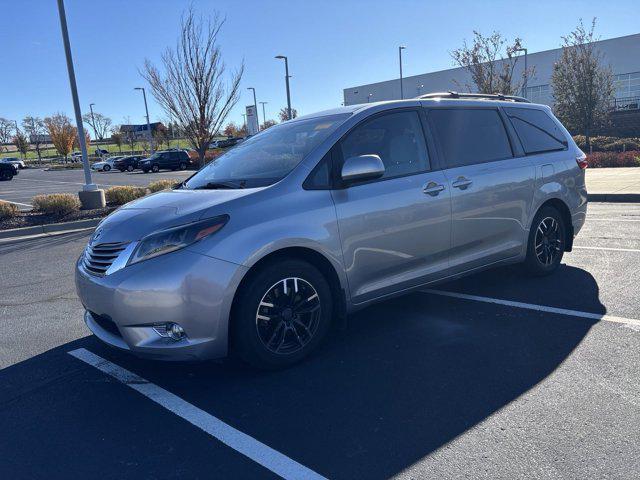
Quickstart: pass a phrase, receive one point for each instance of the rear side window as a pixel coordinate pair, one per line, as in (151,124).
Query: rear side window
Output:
(536,130)
(398,140)
(470,136)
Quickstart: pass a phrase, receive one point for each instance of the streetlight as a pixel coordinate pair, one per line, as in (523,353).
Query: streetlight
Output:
(90,197)
(95,132)
(286,70)
(526,72)
(400,48)
(255,105)
(146,109)
(264,116)
(369,97)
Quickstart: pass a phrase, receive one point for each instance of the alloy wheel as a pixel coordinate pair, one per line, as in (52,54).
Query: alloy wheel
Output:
(288,316)
(548,241)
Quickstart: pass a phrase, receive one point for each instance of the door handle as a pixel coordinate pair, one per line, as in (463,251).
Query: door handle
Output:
(461,183)
(433,189)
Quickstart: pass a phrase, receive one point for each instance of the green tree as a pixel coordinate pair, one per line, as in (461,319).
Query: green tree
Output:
(36,130)
(21,142)
(582,84)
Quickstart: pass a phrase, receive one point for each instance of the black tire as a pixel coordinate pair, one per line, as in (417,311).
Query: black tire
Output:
(130,168)
(260,314)
(145,170)
(6,176)
(122,170)
(544,256)
(106,168)
(183,166)
(155,168)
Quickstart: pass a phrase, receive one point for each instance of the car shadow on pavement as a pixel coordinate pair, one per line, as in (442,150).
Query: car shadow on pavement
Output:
(406,377)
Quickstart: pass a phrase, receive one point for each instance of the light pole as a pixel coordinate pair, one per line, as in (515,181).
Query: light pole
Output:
(255,105)
(146,109)
(286,70)
(420,87)
(93,120)
(244,121)
(90,197)
(400,48)
(264,116)
(369,97)
(526,72)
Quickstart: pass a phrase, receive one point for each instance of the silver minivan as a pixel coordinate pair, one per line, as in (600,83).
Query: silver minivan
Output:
(262,249)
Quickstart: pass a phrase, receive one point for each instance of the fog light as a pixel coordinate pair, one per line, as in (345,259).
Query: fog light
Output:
(175,331)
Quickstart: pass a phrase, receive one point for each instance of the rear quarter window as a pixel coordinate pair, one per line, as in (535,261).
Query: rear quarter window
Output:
(537,131)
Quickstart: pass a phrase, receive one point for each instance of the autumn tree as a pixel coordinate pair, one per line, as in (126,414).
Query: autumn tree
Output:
(87,140)
(36,130)
(267,124)
(491,62)
(21,142)
(161,135)
(99,123)
(193,87)
(117,137)
(582,84)
(283,115)
(62,133)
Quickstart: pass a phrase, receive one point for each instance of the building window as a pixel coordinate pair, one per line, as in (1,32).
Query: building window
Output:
(627,85)
(539,94)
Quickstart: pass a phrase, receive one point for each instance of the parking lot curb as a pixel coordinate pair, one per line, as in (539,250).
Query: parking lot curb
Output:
(614,197)
(50,229)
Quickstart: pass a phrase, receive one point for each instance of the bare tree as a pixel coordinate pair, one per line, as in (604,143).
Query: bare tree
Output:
(6,131)
(117,137)
(62,132)
(283,114)
(21,142)
(582,84)
(491,62)
(192,88)
(99,123)
(36,130)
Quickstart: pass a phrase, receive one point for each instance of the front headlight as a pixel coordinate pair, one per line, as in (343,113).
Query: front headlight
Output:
(175,238)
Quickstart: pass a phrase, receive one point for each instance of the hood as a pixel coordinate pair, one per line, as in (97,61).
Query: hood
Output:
(165,209)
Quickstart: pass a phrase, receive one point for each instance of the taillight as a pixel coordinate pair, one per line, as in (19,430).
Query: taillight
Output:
(581,160)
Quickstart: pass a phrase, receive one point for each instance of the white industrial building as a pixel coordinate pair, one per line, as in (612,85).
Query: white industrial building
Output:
(622,54)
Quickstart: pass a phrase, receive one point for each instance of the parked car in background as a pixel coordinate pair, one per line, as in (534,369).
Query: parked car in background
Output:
(166,160)
(224,143)
(105,165)
(325,214)
(8,170)
(76,156)
(128,163)
(14,161)
(101,152)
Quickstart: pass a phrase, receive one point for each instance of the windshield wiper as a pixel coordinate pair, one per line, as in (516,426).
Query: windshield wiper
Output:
(221,185)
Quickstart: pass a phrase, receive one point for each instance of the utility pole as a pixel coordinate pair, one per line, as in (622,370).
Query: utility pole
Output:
(91,197)
(146,109)
(264,117)
(93,120)
(526,72)
(400,48)
(286,70)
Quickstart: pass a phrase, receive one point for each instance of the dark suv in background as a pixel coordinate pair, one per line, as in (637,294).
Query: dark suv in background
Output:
(129,163)
(167,160)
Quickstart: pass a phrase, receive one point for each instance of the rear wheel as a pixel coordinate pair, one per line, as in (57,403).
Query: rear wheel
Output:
(155,168)
(282,314)
(183,166)
(106,168)
(546,244)
(130,168)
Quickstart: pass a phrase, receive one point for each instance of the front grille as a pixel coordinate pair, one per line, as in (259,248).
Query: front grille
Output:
(98,258)
(106,324)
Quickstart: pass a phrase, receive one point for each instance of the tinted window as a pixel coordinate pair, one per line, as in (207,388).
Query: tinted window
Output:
(536,130)
(397,138)
(469,136)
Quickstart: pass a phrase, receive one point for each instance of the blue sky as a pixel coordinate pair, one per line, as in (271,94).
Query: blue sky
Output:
(330,44)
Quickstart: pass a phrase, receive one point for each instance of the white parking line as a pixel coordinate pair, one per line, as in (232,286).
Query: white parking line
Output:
(612,249)
(18,203)
(250,447)
(540,308)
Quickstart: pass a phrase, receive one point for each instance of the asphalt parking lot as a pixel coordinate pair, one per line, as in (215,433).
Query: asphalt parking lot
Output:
(497,375)
(32,182)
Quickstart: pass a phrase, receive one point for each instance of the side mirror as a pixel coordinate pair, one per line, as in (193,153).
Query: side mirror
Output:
(362,167)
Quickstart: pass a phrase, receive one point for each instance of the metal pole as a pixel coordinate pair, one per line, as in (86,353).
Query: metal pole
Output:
(95,132)
(255,105)
(400,48)
(286,69)
(244,121)
(526,73)
(264,116)
(89,185)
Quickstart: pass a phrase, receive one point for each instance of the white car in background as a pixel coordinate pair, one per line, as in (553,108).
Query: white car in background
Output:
(105,165)
(14,161)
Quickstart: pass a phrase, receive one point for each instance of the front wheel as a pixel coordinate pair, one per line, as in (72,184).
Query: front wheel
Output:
(546,243)
(282,314)
(155,169)
(130,168)
(183,166)
(106,168)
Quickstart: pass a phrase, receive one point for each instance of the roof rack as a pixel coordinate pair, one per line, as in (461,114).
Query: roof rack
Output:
(478,96)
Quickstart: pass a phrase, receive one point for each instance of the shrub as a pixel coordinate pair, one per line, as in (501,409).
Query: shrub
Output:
(608,144)
(7,210)
(162,185)
(614,159)
(56,203)
(124,194)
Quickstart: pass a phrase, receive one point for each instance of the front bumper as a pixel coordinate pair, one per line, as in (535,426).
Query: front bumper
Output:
(188,288)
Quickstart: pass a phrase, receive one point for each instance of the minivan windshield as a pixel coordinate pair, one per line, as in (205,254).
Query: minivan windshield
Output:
(267,157)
